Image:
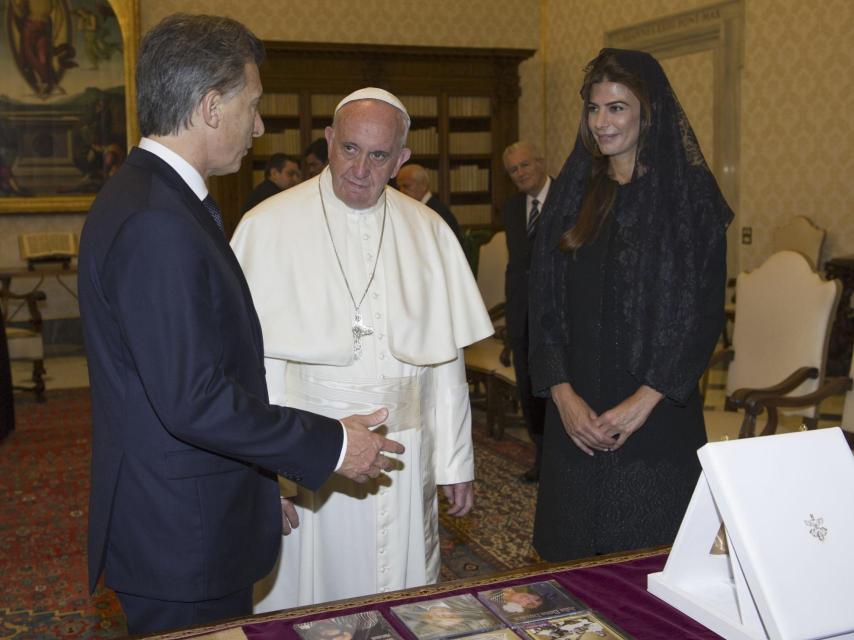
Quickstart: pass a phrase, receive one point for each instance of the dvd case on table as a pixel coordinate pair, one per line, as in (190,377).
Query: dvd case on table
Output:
(498,634)
(365,625)
(446,617)
(579,626)
(523,603)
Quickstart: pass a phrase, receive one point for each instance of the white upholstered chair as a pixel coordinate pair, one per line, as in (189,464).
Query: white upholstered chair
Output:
(784,311)
(491,266)
(798,234)
(485,357)
(801,235)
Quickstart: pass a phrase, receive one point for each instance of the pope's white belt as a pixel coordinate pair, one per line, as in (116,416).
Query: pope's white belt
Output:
(341,398)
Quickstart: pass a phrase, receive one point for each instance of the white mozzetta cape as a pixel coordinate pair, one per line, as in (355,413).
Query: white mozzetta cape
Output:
(285,250)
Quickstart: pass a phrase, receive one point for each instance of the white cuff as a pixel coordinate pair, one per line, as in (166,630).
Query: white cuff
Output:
(343,448)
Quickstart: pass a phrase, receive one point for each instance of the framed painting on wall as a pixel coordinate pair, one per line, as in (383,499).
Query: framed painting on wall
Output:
(67,100)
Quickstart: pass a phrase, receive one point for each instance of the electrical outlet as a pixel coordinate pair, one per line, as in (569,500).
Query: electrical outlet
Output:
(747,235)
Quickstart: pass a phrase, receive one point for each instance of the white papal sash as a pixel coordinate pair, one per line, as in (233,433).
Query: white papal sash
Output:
(336,398)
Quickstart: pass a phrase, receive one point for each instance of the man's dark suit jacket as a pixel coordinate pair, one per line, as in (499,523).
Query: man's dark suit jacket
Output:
(519,248)
(180,508)
(514,214)
(260,193)
(447,215)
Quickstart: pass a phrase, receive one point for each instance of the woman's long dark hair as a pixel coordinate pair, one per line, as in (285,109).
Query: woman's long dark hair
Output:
(601,190)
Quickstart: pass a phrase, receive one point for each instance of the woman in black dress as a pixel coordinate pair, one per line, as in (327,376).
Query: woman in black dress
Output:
(627,296)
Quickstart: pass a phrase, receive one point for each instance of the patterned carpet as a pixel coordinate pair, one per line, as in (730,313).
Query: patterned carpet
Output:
(44,488)
(44,485)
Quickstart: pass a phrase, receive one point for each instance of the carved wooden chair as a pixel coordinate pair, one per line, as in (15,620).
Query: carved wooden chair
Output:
(784,311)
(24,339)
(771,404)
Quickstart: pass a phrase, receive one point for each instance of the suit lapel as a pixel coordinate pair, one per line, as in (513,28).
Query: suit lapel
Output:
(194,206)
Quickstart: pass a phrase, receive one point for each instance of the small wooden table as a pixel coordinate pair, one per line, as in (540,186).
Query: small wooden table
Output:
(7,274)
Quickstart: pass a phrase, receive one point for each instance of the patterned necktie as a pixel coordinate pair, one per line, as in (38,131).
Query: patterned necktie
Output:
(213,209)
(532,218)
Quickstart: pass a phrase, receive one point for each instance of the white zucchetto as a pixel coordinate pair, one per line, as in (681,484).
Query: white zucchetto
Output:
(373,93)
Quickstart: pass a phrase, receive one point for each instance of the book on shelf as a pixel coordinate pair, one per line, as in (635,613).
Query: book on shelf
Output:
(470,142)
(473,214)
(469,106)
(433,179)
(365,625)
(279,104)
(469,178)
(323,104)
(521,603)
(424,141)
(420,106)
(449,617)
(286,141)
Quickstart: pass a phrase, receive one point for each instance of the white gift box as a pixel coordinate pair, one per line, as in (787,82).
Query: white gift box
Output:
(787,503)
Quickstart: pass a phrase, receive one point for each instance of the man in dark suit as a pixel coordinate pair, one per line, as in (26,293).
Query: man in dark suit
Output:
(281,172)
(315,158)
(412,179)
(526,168)
(184,512)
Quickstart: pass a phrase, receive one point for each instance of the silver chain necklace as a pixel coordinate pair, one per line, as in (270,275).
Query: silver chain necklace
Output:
(360,329)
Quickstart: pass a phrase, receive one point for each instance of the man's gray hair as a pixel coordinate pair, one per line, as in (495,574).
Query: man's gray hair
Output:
(183,58)
(523,144)
(418,172)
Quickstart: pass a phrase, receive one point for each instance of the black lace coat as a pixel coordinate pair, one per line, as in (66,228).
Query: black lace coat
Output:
(660,305)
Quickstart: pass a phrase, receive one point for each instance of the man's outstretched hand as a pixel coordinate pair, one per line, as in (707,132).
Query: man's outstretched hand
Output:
(363,458)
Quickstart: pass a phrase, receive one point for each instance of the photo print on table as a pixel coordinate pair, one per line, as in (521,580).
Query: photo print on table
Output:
(446,617)
(498,634)
(365,625)
(580,626)
(523,603)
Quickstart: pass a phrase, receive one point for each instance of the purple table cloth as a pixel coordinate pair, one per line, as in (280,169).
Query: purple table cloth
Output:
(616,590)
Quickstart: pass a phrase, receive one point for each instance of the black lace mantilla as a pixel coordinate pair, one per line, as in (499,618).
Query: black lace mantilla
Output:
(671,234)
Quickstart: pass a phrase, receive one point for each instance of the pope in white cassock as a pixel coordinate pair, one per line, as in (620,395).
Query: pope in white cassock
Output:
(365,300)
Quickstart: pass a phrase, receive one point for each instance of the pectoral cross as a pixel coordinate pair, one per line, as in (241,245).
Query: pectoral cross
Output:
(360,330)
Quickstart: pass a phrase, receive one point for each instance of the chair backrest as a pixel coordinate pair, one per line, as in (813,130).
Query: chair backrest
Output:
(491,265)
(783,314)
(848,407)
(801,235)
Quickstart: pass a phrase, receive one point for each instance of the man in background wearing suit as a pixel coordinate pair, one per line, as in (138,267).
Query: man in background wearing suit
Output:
(184,512)
(412,179)
(526,167)
(315,157)
(281,172)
